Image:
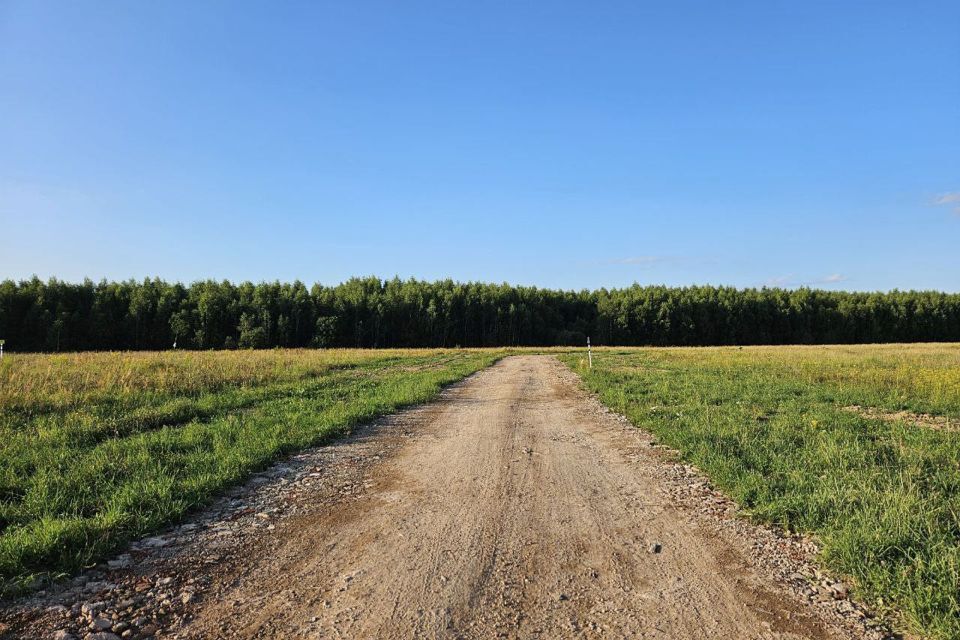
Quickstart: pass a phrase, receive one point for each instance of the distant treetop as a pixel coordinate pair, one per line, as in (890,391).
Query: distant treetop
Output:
(370,312)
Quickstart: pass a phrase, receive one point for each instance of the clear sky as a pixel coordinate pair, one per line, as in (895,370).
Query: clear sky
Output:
(559,144)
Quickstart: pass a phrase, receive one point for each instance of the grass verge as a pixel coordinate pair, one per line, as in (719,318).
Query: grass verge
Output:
(99,449)
(768,425)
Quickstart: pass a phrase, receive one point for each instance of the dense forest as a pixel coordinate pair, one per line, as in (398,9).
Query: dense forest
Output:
(370,312)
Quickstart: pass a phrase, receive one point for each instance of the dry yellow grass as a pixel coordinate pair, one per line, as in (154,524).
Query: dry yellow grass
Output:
(71,379)
(921,377)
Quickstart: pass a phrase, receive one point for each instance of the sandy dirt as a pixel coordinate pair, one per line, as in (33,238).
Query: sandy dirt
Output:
(514,507)
(940,423)
(515,513)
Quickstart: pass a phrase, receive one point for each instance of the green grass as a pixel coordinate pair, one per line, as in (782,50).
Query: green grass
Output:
(768,426)
(98,449)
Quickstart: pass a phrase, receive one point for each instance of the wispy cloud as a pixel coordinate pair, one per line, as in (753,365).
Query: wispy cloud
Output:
(951,198)
(642,260)
(652,262)
(779,281)
(947,198)
(29,199)
(833,277)
(790,280)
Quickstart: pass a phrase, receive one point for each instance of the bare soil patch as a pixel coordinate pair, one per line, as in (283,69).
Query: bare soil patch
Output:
(919,419)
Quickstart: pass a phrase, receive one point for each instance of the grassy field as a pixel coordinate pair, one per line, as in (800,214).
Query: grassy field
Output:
(97,449)
(774,427)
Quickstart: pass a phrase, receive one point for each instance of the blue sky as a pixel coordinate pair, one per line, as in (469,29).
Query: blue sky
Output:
(559,144)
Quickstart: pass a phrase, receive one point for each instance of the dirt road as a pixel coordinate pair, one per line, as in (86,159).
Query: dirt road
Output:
(517,513)
(512,507)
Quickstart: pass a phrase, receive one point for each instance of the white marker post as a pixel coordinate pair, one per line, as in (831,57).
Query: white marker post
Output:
(1,349)
(589,353)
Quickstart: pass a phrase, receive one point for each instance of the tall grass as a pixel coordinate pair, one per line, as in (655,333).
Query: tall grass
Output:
(96,449)
(768,425)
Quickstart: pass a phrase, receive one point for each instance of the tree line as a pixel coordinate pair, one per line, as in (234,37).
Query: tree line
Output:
(370,312)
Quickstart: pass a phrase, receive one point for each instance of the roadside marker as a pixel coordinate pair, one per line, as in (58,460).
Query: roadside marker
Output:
(589,353)
(1,349)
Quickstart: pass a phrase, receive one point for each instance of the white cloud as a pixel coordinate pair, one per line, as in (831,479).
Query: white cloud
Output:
(833,277)
(948,198)
(644,260)
(22,199)
(791,281)
(780,281)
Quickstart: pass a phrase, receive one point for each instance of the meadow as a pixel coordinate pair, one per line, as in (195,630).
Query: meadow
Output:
(98,449)
(857,445)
